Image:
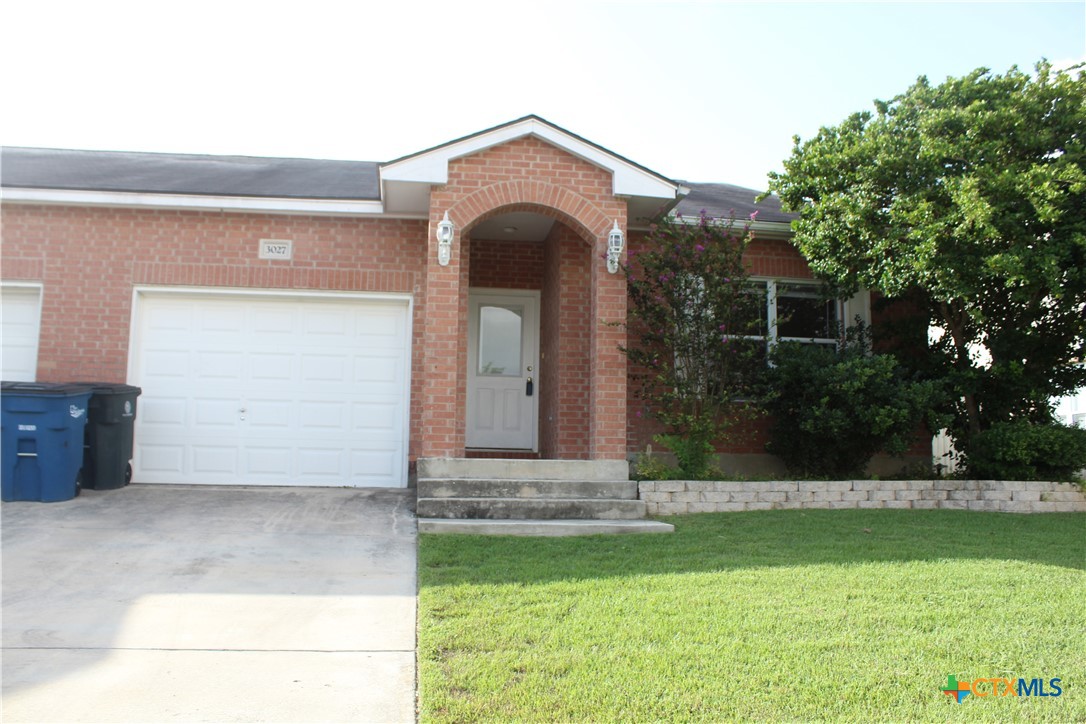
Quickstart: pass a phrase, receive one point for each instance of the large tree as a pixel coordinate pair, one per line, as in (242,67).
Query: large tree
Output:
(970,197)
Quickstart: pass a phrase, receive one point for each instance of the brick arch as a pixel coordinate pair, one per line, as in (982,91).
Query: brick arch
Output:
(558,202)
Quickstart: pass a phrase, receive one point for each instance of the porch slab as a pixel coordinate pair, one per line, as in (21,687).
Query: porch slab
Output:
(541,528)
(490,469)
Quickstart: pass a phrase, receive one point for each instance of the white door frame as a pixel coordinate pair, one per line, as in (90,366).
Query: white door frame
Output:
(529,361)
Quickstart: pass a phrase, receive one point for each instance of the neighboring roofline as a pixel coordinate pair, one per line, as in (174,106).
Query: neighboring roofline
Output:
(431,165)
(199,202)
(767,229)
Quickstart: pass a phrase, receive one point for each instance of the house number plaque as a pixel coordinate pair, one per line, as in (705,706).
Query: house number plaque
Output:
(281,249)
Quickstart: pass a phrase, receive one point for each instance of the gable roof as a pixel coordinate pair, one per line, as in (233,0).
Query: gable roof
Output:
(165,173)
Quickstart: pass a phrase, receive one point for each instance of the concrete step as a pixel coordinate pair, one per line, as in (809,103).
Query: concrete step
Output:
(542,528)
(486,469)
(484,488)
(531,508)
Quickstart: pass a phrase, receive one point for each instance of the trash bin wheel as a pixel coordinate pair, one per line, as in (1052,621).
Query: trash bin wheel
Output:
(78,483)
(127,473)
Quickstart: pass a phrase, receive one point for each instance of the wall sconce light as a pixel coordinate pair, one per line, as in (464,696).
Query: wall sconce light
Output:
(444,240)
(615,242)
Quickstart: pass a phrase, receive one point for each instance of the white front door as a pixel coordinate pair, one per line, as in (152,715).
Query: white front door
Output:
(20,312)
(503,379)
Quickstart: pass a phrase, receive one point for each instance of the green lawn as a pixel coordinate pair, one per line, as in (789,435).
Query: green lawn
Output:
(794,615)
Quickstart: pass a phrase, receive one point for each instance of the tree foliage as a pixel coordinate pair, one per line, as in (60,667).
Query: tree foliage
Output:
(971,197)
(690,315)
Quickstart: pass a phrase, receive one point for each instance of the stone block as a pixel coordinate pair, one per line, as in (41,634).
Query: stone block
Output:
(838,486)
(817,504)
(728,486)
(1060,496)
(800,496)
(772,497)
(744,497)
(1014,507)
(686,497)
(996,485)
(963,495)
(867,485)
(759,506)
(881,495)
(790,505)
(870,503)
(899,504)
(997,495)
(811,485)
(1037,485)
(672,508)
(842,504)
(827,495)
(703,508)
(670,486)
(894,485)
(652,508)
(1044,507)
(954,504)
(855,495)
(1077,507)
(983,505)
(712,497)
(1026,496)
(656,497)
(646,486)
(907,495)
(925,504)
(785,486)
(920,484)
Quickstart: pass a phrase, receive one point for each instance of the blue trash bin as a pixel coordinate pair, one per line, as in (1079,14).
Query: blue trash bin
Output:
(41,441)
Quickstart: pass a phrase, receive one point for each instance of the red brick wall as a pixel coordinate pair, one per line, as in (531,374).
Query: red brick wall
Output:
(498,264)
(88,260)
(565,341)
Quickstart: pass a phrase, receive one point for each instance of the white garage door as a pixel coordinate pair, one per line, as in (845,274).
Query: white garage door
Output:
(271,390)
(20,308)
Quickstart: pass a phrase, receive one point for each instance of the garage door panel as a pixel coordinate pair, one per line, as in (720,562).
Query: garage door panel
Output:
(324,368)
(162,458)
(215,460)
(297,391)
(272,366)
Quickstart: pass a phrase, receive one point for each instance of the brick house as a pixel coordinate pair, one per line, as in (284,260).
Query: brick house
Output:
(297,322)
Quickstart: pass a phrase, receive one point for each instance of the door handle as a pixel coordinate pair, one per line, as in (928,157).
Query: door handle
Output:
(528,387)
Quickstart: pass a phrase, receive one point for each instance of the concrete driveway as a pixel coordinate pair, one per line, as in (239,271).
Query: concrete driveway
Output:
(187,603)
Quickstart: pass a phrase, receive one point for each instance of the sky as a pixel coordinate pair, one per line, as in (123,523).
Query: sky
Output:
(696,91)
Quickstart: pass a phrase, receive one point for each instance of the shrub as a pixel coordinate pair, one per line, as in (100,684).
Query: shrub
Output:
(834,409)
(1023,450)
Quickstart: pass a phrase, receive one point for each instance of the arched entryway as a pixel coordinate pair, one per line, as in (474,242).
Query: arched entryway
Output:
(527,377)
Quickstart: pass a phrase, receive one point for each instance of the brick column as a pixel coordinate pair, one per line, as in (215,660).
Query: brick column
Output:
(608,368)
(442,394)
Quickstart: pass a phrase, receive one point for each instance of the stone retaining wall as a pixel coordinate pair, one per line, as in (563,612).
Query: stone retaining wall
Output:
(670,497)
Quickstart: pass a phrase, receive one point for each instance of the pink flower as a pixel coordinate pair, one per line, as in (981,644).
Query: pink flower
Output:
(753,215)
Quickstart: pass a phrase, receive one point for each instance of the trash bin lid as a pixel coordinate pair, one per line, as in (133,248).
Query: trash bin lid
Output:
(55,389)
(112,388)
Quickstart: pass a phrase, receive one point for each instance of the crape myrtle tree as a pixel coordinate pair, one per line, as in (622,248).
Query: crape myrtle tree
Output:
(695,328)
(970,197)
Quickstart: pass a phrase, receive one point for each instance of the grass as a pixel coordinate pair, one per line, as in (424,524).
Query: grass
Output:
(774,615)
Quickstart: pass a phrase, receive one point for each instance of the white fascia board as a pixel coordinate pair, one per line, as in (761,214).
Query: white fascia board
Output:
(432,167)
(66,197)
